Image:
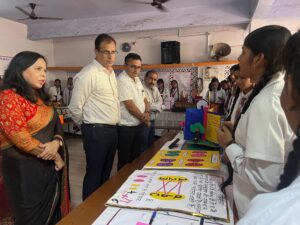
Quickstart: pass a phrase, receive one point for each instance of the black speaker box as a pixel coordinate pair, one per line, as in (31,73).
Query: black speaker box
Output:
(170,52)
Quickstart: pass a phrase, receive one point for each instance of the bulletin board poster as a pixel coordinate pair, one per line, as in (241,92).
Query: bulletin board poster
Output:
(185,159)
(165,76)
(184,82)
(4,61)
(186,192)
(182,79)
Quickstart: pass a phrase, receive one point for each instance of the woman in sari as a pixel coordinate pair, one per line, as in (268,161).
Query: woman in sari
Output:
(34,160)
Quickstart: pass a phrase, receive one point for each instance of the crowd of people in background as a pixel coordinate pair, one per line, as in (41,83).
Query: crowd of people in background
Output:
(59,95)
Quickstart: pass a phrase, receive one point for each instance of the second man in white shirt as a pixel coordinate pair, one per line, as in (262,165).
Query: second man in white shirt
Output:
(135,112)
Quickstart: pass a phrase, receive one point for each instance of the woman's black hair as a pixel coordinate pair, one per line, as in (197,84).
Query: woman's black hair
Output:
(177,87)
(291,62)
(161,81)
(235,67)
(270,41)
(236,96)
(61,92)
(214,79)
(13,77)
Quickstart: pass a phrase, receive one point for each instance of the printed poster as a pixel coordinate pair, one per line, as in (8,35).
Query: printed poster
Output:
(185,159)
(213,124)
(4,61)
(117,216)
(186,192)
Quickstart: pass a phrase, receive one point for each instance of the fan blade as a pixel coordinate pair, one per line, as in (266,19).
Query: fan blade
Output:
(49,18)
(161,8)
(137,1)
(163,1)
(22,10)
(28,18)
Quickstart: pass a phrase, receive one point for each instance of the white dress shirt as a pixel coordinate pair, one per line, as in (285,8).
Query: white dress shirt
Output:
(55,93)
(277,208)
(218,96)
(95,96)
(130,89)
(263,139)
(155,100)
(67,95)
(165,94)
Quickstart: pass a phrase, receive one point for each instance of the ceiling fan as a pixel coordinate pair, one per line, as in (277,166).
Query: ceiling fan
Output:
(155,3)
(32,14)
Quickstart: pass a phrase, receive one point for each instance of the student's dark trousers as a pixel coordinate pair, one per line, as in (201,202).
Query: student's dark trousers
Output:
(131,142)
(100,143)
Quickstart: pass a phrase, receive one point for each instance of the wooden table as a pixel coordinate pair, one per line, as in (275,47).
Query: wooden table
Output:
(88,211)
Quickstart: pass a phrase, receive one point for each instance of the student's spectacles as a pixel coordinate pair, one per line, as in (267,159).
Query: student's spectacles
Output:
(107,53)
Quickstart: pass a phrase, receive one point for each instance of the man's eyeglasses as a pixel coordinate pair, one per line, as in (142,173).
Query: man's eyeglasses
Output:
(107,53)
(134,67)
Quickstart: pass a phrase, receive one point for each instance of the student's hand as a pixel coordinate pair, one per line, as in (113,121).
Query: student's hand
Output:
(59,163)
(224,136)
(50,150)
(229,125)
(148,123)
(145,117)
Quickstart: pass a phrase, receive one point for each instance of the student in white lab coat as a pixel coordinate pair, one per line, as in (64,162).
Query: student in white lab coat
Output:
(282,207)
(256,144)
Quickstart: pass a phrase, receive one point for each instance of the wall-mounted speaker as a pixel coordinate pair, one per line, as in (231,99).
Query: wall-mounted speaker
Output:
(170,52)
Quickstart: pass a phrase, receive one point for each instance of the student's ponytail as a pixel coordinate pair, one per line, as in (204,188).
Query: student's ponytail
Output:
(264,80)
(291,168)
(236,96)
(291,62)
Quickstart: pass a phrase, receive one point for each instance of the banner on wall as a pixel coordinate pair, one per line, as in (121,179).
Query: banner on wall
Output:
(183,79)
(4,61)
(178,84)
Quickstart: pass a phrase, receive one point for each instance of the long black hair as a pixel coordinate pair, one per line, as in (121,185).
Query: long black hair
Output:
(13,77)
(213,80)
(177,91)
(291,61)
(270,41)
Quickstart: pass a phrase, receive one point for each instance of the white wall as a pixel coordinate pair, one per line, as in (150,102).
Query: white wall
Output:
(13,39)
(292,24)
(80,51)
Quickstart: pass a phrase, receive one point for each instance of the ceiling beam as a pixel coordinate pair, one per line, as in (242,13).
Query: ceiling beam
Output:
(186,17)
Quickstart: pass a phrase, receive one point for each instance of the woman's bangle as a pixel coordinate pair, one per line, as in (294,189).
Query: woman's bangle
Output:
(60,140)
(229,143)
(57,136)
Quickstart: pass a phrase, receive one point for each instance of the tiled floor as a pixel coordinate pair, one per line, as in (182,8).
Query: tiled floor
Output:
(77,167)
